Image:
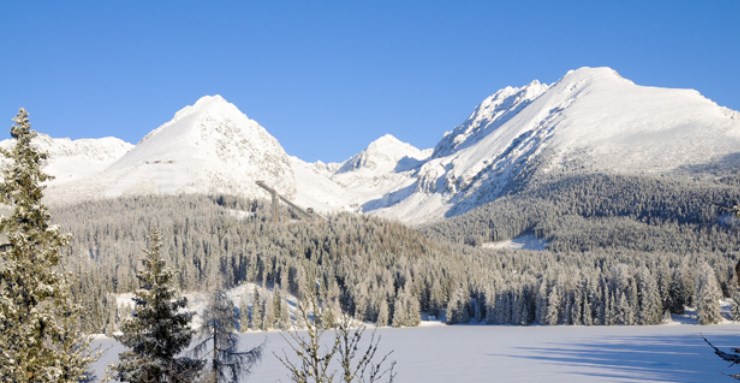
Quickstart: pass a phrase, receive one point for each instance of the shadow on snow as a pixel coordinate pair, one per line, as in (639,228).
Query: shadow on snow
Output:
(680,359)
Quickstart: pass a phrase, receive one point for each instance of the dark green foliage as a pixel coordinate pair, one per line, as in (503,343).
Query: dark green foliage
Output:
(158,330)
(40,338)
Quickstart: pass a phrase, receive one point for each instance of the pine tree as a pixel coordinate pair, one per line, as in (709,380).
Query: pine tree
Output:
(625,312)
(268,316)
(707,297)
(456,311)
(256,310)
(158,330)
(382,319)
(285,321)
(243,315)
(413,313)
(40,336)
(218,340)
(676,294)
(553,307)
(399,312)
(735,309)
(651,307)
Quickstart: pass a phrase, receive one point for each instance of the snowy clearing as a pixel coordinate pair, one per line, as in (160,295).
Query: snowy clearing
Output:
(522,242)
(529,354)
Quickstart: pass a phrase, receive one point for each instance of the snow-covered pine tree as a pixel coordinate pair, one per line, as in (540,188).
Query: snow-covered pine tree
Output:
(382,319)
(650,308)
(256,310)
(158,330)
(735,309)
(243,314)
(676,293)
(40,337)
(219,342)
(285,322)
(399,312)
(553,307)
(625,314)
(276,300)
(457,311)
(268,314)
(707,297)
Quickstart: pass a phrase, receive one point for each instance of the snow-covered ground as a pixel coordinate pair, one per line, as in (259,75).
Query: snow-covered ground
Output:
(529,354)
(522,242)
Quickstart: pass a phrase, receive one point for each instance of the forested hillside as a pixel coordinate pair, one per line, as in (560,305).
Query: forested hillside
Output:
(598,211)
(387,273)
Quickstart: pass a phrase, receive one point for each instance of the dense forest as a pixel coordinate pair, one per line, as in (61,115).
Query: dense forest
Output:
(621,251)
(587,212)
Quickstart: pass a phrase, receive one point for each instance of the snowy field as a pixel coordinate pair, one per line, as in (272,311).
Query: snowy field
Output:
(437,354)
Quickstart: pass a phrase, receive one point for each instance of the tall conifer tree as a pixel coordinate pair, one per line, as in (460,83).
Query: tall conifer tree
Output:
(158,330)
(40,338)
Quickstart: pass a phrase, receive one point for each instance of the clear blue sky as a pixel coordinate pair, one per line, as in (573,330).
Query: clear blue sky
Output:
(328,77)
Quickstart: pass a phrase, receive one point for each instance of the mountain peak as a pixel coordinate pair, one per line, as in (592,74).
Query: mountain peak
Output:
(383,154)
(208,104)
(209,146)
(384,141)
(209,100)
(591,74)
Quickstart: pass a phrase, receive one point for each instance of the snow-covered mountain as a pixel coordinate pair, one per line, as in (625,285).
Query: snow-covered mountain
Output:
(591,120)
(209,147)
(493,112)
(72,160)
(385,155)
(372,176)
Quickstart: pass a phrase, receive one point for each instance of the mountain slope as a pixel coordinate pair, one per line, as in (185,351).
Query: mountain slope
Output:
(591,120)
(493,112)
(209,147)
(72,160)
(374,176)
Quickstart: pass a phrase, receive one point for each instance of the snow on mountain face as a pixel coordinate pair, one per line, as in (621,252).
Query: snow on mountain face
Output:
(590,120)
(493,112)
(374,176)
(209,147)
(385,155)
(71,160)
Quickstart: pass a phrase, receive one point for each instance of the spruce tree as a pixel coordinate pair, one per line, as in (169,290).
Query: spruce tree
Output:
(707,297)
(40,337)
(243,314)
(158,330)
(256,310)
(553,310)
(382,318)
(735,308)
